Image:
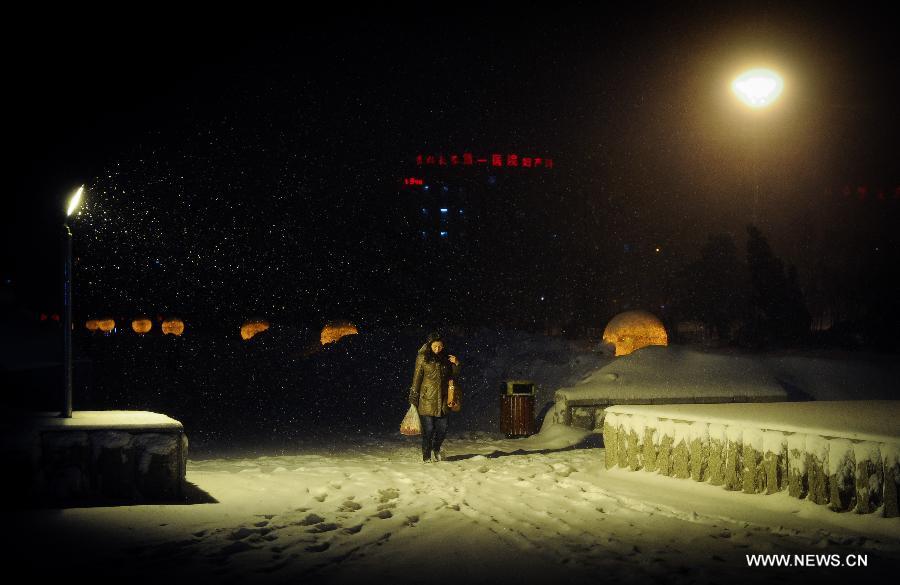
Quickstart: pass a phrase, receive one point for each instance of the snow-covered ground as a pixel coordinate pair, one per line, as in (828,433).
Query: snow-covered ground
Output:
(508,511)
(341,508)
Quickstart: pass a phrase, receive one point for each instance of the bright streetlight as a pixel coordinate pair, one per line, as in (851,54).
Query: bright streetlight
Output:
(758,87)
(74,201)
(71,207)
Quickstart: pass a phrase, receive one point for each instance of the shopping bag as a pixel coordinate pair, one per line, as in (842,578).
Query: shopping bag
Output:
(454,397)
(411,425)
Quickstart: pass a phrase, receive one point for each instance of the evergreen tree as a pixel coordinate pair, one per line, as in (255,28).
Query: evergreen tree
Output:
(713,289)
(778,313)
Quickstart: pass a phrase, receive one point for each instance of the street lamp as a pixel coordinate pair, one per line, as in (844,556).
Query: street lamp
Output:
(757,88)
(71,207)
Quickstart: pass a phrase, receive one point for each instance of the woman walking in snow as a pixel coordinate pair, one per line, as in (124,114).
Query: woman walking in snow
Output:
(431,380)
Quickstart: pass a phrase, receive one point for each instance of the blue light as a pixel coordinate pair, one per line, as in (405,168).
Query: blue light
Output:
(424,211)
(443,210)
(425,187)
(443,234)
(460,211)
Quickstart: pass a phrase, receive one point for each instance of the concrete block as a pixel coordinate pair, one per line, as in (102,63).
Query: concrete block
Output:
(158,465)
(649,446)
(819,492)
(752,470)
(716,470)
(734,479)
(622,447)
(65,465)
(610,443)
(798,479)
(115,463)
(773,471)
(664,456)
(891,488)
(699,459)
(633,448)
(870,488)
(681,459)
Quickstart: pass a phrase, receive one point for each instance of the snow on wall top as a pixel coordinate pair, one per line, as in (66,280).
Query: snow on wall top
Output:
(673,372)
(106,420)
(865,420)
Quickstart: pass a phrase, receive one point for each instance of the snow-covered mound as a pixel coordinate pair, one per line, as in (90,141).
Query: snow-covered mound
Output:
(678,372)
(839,375)
(669,373)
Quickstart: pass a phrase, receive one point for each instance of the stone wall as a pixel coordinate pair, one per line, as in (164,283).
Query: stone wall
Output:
(113,465)
(843,474)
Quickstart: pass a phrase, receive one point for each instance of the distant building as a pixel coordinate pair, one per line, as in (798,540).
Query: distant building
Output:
(455,196)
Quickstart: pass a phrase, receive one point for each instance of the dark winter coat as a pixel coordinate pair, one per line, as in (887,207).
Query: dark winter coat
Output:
(430,381)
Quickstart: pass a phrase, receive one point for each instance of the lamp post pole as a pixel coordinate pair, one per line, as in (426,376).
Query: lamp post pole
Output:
(74,202)
(754,146)
(67,322)
(757,88)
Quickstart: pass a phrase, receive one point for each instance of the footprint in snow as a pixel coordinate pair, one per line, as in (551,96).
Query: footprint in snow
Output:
(236,547)
(241,533)
(324,527)
(310,520)
(318,547)
(352,529)
(385,514)
(388,494)
(349,506)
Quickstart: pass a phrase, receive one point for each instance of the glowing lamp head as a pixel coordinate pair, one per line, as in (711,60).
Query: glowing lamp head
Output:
(758,87)
(74,201)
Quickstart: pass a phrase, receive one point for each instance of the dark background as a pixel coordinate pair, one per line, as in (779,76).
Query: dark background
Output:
(241,166)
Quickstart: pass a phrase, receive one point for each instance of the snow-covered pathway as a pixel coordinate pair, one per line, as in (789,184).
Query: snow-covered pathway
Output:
(492,513)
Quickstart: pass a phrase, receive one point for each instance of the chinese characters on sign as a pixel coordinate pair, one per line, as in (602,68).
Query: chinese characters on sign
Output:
(495,160)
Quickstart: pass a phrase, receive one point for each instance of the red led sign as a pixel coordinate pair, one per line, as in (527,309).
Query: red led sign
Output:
(412,181)
(495,160)
(864,192)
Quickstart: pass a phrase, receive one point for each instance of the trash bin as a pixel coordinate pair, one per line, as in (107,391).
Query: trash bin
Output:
(517,408)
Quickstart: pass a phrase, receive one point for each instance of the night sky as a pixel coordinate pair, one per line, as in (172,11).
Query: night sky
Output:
(251,167)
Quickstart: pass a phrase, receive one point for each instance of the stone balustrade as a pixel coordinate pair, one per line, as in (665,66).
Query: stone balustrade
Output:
(843,454)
